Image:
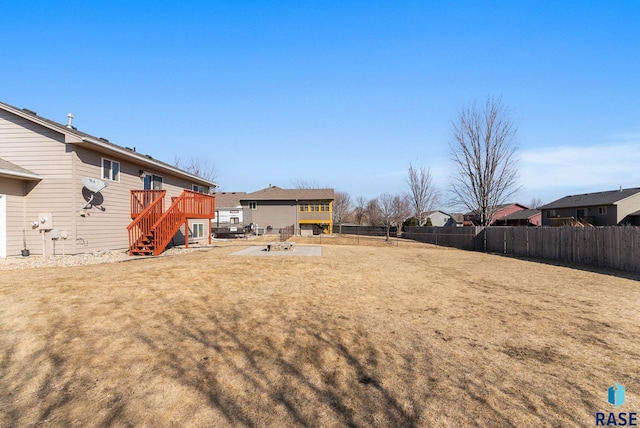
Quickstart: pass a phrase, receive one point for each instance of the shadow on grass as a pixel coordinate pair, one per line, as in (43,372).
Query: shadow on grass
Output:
(289,372)
(259,368)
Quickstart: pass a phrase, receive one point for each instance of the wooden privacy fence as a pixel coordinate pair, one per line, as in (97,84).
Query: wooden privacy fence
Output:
(458,237)
(616,247)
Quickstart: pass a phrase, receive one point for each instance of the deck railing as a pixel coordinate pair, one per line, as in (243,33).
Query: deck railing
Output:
(141,199)
(198,205)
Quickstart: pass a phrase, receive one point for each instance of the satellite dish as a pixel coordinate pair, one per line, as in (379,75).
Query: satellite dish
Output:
(94,187)
(93,184)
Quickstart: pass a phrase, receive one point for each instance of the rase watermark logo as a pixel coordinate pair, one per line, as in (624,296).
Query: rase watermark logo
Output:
(615,397)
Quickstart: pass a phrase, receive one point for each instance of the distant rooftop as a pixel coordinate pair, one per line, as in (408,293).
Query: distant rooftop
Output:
(592,199)
(229,199)
(275,193)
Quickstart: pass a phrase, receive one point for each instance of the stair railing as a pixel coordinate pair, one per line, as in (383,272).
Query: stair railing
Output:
(143,223)
(168,224)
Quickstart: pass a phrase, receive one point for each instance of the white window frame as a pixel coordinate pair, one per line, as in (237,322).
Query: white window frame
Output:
(153,181)
(602,210)
(109,174)
(196,230)
(197,188)
(253,205)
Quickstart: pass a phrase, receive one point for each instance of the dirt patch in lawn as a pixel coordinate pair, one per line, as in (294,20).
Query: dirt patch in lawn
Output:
(380,335)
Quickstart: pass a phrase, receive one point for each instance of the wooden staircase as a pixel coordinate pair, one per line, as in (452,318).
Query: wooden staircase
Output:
(153,228)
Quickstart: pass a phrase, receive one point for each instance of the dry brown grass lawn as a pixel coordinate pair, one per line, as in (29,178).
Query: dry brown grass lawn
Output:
(379,335)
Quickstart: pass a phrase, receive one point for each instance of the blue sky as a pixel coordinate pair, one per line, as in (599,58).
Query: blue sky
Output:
(341,94)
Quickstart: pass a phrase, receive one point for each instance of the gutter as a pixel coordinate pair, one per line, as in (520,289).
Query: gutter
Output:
(24,175)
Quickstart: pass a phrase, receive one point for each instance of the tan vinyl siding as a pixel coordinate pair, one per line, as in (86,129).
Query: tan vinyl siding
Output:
(33,147)
(96,229)
(48,196)
(627,206)
(43,152)
(14,191)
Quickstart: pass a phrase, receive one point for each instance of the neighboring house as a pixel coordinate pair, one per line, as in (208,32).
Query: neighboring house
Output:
(439,219)
(273,208)
(608,208)
(500,212)
(528,217)
(457,220)
(51,193)
(229,213)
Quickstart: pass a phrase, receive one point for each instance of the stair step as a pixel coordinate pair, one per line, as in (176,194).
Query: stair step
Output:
(142,253)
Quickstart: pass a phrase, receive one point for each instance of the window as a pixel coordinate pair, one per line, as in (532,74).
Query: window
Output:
(602,210)
(197,188)
(196,230)
(314,206)
(253,205)
(110,170)
(234,220)
(551,213)
(152,182)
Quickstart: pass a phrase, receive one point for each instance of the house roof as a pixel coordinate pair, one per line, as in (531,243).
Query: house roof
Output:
(521,215)
(497,208)
(430,213)
(610,197)
(458,217)
(74,136)
(8,169)
(229,199)
(275,193)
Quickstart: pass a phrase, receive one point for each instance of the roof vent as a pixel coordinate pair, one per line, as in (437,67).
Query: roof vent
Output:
(70,120)
(30,111)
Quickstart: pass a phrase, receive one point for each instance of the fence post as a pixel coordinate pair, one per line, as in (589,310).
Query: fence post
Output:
(504,241)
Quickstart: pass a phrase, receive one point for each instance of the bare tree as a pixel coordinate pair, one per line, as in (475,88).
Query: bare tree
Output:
(341,208)
(372,211)
(386,211)
(483,152)
(423,194)
(401,211)
(306,184)
(393,211)
(360,211)
(536,203)
(197,166)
